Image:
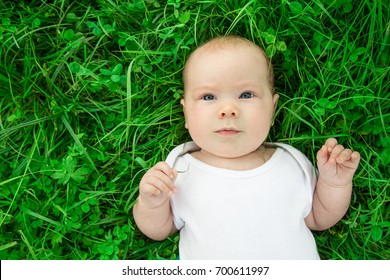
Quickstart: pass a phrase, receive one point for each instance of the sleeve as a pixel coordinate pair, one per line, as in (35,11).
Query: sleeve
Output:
(172,161)
(311,177)
(309,171)
(177,220)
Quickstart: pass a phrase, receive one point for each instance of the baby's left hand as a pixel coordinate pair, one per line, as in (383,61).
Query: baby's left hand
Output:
(337,165)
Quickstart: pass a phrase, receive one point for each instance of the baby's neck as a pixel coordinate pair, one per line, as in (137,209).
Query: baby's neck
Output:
(245,162)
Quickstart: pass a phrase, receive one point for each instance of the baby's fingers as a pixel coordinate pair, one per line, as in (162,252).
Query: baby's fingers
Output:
(343,156)
(148,189)
(330,143)
(157,183)
(160,177)
(336,152)
(355,158)
(166,169)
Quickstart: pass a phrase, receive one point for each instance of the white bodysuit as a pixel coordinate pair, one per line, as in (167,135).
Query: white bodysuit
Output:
(253,214)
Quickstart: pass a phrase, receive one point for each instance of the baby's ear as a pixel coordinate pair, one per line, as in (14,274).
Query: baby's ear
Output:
(275,99)
(182,102)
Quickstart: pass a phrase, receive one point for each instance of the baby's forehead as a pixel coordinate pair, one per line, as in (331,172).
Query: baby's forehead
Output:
(231,44)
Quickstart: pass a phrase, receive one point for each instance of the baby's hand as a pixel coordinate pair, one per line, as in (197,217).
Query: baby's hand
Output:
(157,185)
(337,165)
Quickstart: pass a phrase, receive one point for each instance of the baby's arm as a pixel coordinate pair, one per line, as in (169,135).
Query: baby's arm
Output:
(332,195)
(152,212)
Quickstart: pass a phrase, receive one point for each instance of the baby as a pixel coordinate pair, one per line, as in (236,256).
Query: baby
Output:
(231,194)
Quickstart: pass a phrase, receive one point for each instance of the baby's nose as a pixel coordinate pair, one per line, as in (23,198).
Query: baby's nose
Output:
(229,111)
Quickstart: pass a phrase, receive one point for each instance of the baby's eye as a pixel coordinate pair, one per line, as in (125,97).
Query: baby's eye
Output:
(208,97)
(246,95)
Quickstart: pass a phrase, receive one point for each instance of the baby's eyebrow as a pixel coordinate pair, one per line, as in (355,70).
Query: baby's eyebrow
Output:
(205,88)
(249,84)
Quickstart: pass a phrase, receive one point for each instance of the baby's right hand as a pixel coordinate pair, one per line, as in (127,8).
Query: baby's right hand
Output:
(157,185)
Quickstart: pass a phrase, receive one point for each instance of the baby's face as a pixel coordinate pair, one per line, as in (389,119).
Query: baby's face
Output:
(228,104)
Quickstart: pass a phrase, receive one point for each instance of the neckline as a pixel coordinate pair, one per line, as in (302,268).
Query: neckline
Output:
(223,172)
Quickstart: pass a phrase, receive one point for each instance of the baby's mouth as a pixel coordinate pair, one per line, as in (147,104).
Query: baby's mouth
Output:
(228,131)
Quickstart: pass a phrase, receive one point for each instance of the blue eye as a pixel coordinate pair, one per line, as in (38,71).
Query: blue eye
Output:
(208,97)
(246,95)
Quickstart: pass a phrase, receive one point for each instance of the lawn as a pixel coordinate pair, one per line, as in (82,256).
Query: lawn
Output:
(89,100)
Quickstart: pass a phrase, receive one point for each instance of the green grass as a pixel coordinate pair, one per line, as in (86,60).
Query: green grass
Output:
(89,100)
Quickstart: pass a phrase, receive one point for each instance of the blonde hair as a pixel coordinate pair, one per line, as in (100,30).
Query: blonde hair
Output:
(234,41)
